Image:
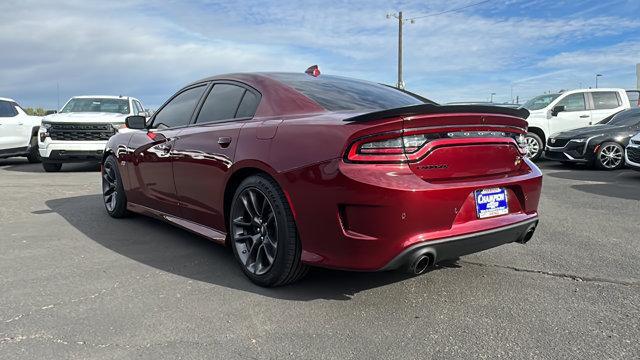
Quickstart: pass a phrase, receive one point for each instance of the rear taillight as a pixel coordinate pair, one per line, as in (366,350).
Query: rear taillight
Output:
(397,148)
(387,147)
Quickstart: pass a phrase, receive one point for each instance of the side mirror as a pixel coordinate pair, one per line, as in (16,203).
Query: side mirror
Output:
(557,109)
(49,112)
(138,122)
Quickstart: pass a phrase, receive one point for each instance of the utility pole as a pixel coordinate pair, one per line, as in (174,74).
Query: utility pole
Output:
(58,93)
(401,22)
(400,84)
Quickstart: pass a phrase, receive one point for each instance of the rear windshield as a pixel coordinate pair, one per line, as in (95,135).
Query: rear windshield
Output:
(336,93)
(108,105)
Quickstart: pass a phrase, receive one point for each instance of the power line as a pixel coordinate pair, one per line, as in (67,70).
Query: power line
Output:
(451,10)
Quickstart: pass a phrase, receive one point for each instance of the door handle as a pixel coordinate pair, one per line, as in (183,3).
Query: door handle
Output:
(224,141)
(584,116)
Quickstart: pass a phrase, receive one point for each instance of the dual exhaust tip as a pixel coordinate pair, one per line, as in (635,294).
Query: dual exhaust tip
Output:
(421,262)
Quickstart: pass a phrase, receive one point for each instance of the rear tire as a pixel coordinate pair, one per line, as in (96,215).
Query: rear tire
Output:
(263,233)
(113,195)
(51,167)
(535,146)
(610,156)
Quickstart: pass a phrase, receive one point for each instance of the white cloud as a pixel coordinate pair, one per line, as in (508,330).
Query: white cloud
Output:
(149,49)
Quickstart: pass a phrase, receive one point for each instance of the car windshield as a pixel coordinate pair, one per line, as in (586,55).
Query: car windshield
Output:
(336,93)
(540,102)
(624,118)
(108,105)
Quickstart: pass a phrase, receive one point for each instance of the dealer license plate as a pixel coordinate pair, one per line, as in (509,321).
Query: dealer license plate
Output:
(491,202)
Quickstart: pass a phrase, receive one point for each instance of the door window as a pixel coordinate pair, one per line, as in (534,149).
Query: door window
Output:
(605,100)
(7,109)
(573,102)
(221,104)
(179,110)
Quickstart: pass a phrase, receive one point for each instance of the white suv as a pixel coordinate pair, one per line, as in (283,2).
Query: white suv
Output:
(79,132)
(18,131)
(552,113)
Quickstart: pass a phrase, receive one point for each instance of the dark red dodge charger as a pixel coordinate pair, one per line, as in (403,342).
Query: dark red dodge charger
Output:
(292,170)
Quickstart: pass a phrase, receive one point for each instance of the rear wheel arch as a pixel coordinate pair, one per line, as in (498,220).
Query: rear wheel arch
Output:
(236,179)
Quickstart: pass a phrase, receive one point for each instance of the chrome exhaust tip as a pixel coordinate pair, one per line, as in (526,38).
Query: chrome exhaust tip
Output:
(527,235)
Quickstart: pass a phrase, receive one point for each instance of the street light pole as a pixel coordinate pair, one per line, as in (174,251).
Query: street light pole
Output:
(491,101)
(597,76)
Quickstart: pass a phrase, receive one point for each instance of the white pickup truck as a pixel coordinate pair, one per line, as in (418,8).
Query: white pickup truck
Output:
(79,132)
(18,131)
(552,113)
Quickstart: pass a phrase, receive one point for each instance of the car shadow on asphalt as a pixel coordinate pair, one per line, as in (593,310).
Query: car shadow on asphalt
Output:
(22,165)
(623,184)
(168,248)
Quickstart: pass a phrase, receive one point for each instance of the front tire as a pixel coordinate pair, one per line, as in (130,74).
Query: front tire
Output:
(51,167)
(115,200)
(34,154)
(535,146)
(610,156)
(263,233)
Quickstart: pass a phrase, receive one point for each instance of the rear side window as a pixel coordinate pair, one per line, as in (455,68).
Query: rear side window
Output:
(605,100)
(573,102)
(7,109)
(221,104)
(179,110)
(248,105)
(336,93)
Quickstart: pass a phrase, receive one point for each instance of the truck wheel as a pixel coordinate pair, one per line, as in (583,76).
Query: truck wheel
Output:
(34,155)
(51,167)
(535,146)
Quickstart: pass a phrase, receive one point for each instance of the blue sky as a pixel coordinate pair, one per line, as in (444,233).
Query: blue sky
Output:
(150,49)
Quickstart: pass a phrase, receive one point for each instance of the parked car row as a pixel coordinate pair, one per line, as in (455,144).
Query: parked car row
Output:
(555,113)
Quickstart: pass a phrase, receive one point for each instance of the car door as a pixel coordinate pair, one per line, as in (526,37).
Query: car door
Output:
(151,166)
(11,127)
(575,114)
(605,103)
(204,152)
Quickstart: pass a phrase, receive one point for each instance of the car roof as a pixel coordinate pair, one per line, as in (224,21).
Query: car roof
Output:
(101,97)
(7,99)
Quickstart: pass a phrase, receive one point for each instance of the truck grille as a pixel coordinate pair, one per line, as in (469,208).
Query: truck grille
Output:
(634,155)
(81,132)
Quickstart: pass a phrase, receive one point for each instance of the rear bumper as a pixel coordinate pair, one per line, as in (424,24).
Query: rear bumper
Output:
(451,248)
(362,217)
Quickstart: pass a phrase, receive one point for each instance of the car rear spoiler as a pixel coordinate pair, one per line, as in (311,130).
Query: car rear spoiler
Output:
(427,109)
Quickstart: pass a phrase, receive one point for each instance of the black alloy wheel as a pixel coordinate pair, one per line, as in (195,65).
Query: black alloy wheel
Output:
(255,231)
(115,200)
(263,234)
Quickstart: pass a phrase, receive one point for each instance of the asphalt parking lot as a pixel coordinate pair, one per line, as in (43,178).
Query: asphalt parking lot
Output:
(78,284)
